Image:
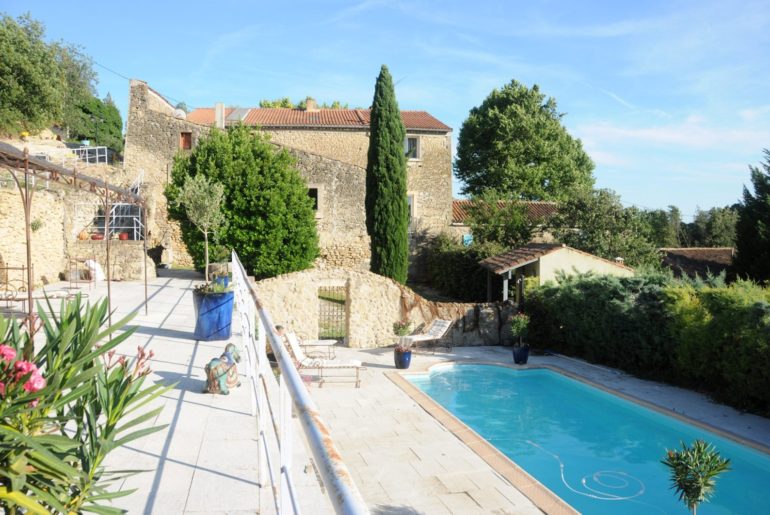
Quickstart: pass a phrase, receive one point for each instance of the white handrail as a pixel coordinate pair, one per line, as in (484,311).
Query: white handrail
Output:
(257,329)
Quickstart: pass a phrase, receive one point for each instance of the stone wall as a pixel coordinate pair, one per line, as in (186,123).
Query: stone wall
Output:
(48,248)
(125,258)
(374,304)
(153,133)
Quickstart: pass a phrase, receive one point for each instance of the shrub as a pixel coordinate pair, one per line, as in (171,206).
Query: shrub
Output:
(454,268)
(716,339)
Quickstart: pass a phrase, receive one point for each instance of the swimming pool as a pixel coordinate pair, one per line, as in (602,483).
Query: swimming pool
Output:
(600,453)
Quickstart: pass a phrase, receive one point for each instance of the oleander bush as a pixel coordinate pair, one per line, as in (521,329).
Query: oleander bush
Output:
(65,406)
(700,334)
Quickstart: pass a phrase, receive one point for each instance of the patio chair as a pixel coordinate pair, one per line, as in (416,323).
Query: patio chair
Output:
(436,330)
(305,362)
(318,345)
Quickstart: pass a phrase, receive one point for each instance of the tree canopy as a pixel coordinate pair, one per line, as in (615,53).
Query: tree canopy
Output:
(753,227)
(515,143)
(287,103)
(596,222)
(497,218)
(31,96)
(387,210)
(269,217)
(98,121)
(202,201)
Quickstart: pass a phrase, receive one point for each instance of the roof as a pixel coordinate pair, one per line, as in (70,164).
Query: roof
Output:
(536,210)
(530,253)
(698,260)
(276,117)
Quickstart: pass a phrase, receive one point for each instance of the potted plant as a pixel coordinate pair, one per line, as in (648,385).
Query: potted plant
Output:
(123,236)
(213,301)
(519,329)
(402,354)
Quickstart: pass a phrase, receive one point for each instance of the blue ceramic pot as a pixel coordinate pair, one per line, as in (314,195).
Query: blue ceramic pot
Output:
(521,354)
(213,315)
(402,359)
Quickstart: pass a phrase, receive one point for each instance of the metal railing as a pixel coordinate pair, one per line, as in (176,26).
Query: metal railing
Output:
(92,155)
(274,414)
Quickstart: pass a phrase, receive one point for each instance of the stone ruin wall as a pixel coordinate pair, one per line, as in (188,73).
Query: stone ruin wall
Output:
(152,140)
(374,304)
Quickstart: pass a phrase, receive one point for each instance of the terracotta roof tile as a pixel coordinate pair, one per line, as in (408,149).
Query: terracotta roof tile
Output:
(339,118)
(536,210)
(698,260)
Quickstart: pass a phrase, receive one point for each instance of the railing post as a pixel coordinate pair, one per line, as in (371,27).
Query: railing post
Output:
(285,445)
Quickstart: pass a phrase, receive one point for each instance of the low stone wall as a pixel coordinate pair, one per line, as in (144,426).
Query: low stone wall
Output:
(125,258)
(374,303)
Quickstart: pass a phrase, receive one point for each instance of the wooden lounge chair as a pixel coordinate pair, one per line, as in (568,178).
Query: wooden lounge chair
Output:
(321,364)
(435,331)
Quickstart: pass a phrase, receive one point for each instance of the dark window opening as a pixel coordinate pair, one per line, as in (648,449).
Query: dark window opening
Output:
(185,140)
(313,194)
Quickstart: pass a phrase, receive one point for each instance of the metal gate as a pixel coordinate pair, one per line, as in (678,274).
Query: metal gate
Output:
(332,315)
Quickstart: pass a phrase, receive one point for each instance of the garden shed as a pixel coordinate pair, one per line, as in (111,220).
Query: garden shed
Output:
(545,261)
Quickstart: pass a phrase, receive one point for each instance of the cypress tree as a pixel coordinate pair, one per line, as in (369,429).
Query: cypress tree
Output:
(387,211)
(753,227)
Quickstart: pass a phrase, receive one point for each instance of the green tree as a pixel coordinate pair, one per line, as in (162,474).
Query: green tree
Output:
(493,217)
(202,201)
(30,77)
(596,222)
(515,143)
(269,217)
(387,211)
(287,103)
(753,227)
(664,226)
(183,106)
(694,471)
(98,121)
(79,84)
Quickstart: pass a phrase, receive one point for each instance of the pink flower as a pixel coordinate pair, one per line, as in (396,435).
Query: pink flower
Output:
(23,368)
(7,353)
(35,383)
(2,389)
(33,403)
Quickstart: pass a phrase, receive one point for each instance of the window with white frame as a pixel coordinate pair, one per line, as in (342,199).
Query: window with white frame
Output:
(412,147)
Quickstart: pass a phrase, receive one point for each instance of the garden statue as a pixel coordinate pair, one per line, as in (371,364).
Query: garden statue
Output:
(222,372)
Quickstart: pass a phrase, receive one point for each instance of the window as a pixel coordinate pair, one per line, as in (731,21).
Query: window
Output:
(313,194)
(185,140)
(412,147)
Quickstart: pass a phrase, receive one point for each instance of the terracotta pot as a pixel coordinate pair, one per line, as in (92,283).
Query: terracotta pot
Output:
(123,236)
(83,235)
(97,236)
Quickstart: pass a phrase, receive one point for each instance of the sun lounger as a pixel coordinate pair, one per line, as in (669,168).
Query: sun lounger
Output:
(436,330)
(321,364)
(319,345)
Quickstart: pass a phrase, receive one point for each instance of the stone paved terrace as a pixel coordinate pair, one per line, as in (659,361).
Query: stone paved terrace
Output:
(401,458)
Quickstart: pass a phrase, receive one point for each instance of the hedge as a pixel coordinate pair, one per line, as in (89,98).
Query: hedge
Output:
(715,339)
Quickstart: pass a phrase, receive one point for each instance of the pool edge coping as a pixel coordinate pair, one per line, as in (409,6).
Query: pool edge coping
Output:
(539,494)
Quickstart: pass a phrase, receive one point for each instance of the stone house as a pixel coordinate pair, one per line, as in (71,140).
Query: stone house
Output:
(330,146)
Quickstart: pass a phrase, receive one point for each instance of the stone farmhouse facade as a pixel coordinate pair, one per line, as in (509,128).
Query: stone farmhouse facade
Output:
(330,147)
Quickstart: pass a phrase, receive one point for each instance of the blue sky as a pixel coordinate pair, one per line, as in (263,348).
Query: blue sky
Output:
(670,98)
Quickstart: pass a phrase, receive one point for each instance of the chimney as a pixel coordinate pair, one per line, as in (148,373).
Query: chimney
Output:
(219,115)
(311,106)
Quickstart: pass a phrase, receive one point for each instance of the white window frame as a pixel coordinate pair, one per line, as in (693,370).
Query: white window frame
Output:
(406,147)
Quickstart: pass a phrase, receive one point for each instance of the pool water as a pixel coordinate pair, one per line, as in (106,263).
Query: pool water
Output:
(598,452)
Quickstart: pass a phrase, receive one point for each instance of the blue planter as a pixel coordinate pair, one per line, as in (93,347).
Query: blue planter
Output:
(402,359)
(213,315)
(521,354)
(223,280)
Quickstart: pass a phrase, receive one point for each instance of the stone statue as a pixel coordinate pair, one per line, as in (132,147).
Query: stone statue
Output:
(222,372)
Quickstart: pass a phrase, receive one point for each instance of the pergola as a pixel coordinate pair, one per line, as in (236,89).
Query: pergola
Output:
(505,265)
(19,162)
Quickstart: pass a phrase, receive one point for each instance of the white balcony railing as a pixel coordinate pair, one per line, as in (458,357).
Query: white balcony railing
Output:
(274,413)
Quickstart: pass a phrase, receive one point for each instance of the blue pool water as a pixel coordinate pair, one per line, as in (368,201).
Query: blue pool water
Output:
(598,452)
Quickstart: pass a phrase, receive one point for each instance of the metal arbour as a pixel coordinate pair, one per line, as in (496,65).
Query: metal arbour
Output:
(15,161)
(274,415)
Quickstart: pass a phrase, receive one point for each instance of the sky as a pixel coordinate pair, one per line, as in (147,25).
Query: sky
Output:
(671,99)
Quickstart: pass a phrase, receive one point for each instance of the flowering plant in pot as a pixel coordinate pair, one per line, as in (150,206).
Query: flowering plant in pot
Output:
(402,354)
(519,329)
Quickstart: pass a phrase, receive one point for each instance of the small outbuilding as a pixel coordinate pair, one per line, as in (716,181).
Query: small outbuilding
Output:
(545,261)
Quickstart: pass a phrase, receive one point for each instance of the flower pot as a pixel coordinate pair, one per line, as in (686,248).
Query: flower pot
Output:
(521,354)
(97,236)
(123,236)
(223,280)
(213,315)
(402,358)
